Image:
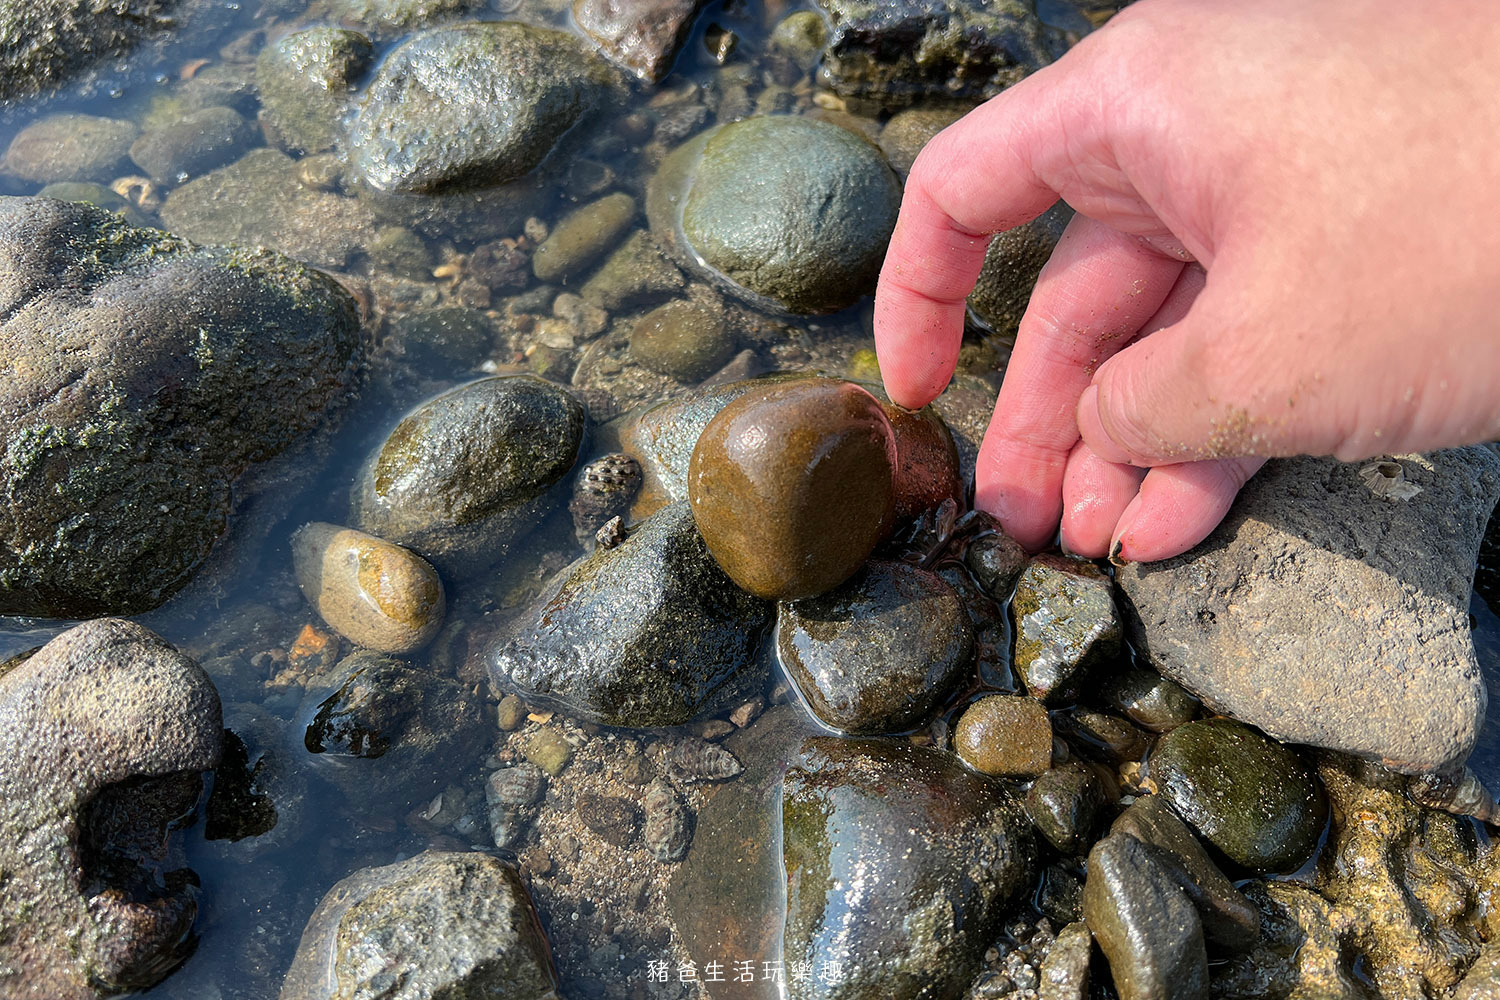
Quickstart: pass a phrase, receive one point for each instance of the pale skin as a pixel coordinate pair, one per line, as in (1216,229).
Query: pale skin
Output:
(1287,242)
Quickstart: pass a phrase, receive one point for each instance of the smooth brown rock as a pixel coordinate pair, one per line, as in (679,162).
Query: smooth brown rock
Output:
(1005,735)
(792,486)
(373,592)
(926,461)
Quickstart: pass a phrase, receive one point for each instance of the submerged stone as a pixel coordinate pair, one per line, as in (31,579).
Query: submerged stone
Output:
(501,95)
(899,866)
(193,144)
(648,633)
(103,734)
(69,147)
(1251,797)
(688,341)
(876,654)
(247,351)
(376,594)
(441,924)
(466,473)
(791,486)
(1326,614)
(581,237)
(305,82)
(785,211)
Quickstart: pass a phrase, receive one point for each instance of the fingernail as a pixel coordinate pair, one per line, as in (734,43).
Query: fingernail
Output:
(1092,429)
(1117,555)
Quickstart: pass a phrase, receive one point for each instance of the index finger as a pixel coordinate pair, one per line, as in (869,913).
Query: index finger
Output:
(974,179)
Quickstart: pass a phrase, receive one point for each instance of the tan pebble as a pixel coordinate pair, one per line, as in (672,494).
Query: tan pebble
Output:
(373,592)
(1005,735)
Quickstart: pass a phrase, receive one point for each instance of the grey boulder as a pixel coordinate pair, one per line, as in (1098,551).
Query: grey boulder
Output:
(1331,611)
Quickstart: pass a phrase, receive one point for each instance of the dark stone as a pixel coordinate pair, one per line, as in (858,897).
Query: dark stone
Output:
(1251,797)
(1144,923)
(1065,970)
(245,351)
(641,35)
(614,818)
(1150,699)
(899,53)
(688,341)
(444,341)
(926,460)
(581,237)
(786,212)
(43,43)
(878,653)
(649,633)
(1326,614)
(1066,803)
(502,95)
(1229,920)
(1099,737)
(634,275)
(907,132)
(899,864)
(200,141)
(436,925)
(305,81)
(997,561)
(1066,626)
(103,733)
(1011,266)
(465,474)
(387,735)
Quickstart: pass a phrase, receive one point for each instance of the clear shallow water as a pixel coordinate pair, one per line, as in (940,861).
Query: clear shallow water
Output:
(244,616)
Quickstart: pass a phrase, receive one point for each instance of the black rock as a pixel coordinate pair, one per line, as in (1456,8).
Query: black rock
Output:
(1144,923)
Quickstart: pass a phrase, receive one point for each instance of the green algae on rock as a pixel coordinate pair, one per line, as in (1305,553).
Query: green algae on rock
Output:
(876,654)
(648,633)
(1251,797)
(792,486)
(785,211)
(441,924)
(375,594)
(104,706)
(501,94)
(120,450)
(1066,626)
(899,865)
(466,473)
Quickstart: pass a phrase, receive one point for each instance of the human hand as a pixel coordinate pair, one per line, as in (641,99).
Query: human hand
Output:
(1287,242)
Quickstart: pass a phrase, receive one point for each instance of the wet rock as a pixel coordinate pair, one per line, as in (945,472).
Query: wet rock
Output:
(1230,922)
(966,407)
(445,340)
(387,735)
(643,36)
(402,252)
(1066,803)
(260,794)
(49,41)
(649,633)
(1251,797)
(1150,699)
(501,94)
(103,732)
(1301,954)
(1325,614)
(799,38)
(1066,626)
(468,216)
(1005,735)
(438,924)
(247,350)
(581,237)
(926,461)
(375,594)
(997,561)
(786,212)
(876,654)
(1144,923)
(69,147)
(669,822)
(1483,978)
(1065,970)
(1100,737)
(94,194)
(791,486)
(613,818)
(192,145)
(1011,266)
(517,786)
(259,201)
(548,750)
(511,713)
(899,863)
(305,80)
(903,52)
(687,340)
(634,275)
(466,473)
(908,131)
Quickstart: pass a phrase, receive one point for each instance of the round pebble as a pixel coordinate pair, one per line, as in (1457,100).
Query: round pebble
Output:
(1005,735)
(375,593)
(791,486)
(684,340)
